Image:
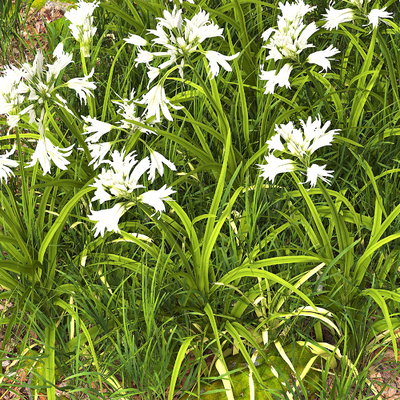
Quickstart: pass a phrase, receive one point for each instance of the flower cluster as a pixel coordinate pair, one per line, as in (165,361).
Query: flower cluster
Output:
(81,26)
(97,129)
(177,39)
(128,112)
(27,91)
(288,41)
(334,17)
(300,143)
(120,182)
(46,152)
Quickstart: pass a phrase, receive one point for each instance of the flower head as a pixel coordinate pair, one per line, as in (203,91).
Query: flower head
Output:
(98,128)
(322,58)
(179,38)
(6,163)
(316,171)
(157,160)
(121,178)
(82,86)
(376,15)
(276,166)
(157,101)
(46,152)
(81,27)
(335,17)
(155,198)
(216,59)
(107,219)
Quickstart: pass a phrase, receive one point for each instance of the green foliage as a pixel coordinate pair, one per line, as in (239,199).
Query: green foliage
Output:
(305,280)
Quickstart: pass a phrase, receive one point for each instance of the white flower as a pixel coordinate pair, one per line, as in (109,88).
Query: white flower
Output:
(143,57)
(121,179)
(63,59)
(156,100)
(376,15)
(36,68)
(285,130)
(5,165)
(157,160)
(316,171)
(200,28)
(276,166)
(46,152)
(313,130)
(321,57)
(306,33)
(107,219)
(152,74)
(137,173)
(281,78)
(127,109)
(155,198)
(162,37)
(172,19)
(291,37)
(10,88)
(136,40)
(98,151)
(275,143)
(98,128)
(295,12)
(335,17)
(31,112)
(82,86)
(216,59)
(12,121)
(81,27)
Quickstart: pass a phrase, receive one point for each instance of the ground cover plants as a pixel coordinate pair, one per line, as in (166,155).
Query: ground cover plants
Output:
(201,200)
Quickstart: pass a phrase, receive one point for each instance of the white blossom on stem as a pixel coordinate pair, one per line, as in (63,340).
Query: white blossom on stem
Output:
(82,86)
(276,166)
(376,15)
(155,198)
(46,152)
(157,101)
(97,128)
(316,171)
(107,219)
(335,17)
(6,163)
(98,151)
(216,59)
(136,40)
(81,26)
(156,163)
(323,57)
(62,60)
(281,78)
